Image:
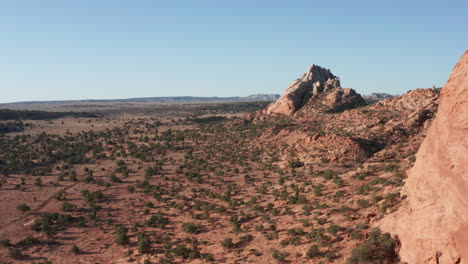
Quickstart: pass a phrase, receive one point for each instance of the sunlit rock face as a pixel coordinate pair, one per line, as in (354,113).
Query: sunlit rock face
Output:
(433,224)
(315,82)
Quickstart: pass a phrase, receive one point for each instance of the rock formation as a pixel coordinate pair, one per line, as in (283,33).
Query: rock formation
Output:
(315,82)
(433,224)
(375,97)
(390,120)
(379,96)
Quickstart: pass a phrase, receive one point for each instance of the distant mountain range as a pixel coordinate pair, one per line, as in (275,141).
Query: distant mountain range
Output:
(375,97)
(379,96)
(187,99)
(171,99)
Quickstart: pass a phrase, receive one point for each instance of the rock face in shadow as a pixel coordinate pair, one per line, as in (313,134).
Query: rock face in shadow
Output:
(316,82)
(433,224)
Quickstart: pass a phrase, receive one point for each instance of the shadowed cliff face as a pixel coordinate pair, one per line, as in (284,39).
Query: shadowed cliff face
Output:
(317,81)
(433,224)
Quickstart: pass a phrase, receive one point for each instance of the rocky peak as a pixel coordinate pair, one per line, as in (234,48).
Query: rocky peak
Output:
(316,73)
(315,82)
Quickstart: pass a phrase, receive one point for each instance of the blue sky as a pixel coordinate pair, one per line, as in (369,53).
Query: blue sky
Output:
(53,50)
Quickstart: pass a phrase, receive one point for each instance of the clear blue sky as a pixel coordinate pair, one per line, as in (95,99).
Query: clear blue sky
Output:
(51,50)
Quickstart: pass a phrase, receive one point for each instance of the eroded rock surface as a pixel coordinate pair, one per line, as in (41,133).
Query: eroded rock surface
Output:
(316,83)
(433,224)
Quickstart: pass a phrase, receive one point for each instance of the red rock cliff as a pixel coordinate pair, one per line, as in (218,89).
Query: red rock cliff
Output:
(433,224)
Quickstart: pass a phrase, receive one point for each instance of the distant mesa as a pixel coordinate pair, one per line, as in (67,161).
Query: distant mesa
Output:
(379,96)
(375,97)
(168,99)
(261,97)
(317,88)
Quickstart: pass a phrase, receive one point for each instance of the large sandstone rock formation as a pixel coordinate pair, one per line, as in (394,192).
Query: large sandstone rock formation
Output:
(315,82)
(433,224)
(390,120)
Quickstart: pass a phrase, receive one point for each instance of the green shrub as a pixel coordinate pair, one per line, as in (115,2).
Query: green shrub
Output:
(185,252)
(190,228)
(363,203)
(130,189)
(377,248)
(334,229)
(144,244)
(5,242)
(157,220)
(60,195)
(227,243)
(113,178)
(89,179)
(68,207)
(121,236)
(75,249)
(38,182)
(313,251)
(279,256)
(15,253)
(23,207)
(296,164)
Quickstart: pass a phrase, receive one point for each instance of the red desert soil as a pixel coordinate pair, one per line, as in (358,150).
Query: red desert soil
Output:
(211,183)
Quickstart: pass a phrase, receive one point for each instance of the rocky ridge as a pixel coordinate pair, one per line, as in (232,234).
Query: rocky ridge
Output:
(318,119)
(388,120)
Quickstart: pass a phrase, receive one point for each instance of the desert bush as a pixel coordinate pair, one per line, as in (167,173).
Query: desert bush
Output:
(130,189)
(68,207)
(279,256)
(313,251)
(114,179)
(157,220)
(338,181)
(334,229)
(227,243)
(121,237)
(377,248)
(89,179)
(5,242)
(245,239)
(318,190)
(38,182)
(23,207)
(15,253)
(144,243)
(190,228)
(235,223)
(60,195)
(363,203)
(75,249)
(296,164)
(183,251)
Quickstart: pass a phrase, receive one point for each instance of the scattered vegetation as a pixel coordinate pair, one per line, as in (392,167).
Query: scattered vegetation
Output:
(173,182)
